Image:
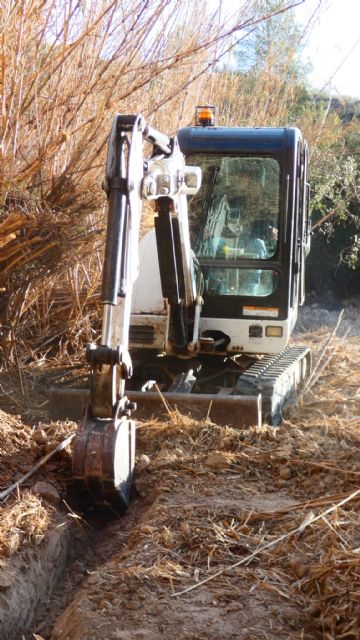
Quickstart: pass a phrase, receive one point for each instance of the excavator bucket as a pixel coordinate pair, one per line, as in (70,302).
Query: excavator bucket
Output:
(103,461)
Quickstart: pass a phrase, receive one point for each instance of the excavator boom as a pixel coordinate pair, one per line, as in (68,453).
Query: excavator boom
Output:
(104,448)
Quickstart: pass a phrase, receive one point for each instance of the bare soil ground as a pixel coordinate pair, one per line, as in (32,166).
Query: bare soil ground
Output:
(237,508)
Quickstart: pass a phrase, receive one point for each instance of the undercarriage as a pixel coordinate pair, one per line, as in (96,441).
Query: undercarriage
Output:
(239,391)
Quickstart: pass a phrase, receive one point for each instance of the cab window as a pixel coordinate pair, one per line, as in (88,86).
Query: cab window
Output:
(235,215)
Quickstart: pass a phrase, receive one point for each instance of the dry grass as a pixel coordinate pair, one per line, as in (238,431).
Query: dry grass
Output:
(66,68)
(24,517)
(25,522)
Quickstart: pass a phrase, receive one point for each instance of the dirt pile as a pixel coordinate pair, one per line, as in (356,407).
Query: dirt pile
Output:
(23,517)
(242,510)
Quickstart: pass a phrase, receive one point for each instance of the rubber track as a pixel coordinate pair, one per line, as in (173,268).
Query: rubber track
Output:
(276,378)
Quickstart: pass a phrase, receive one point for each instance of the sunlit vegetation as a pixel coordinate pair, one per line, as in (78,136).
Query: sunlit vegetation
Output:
(66,68)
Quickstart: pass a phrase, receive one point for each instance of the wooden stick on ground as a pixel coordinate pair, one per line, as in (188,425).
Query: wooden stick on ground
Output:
(315,378)
(314,374)
(62,445)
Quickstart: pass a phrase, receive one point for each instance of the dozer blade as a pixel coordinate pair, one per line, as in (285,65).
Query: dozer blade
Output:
(233,411)
(103,461)
(238,411)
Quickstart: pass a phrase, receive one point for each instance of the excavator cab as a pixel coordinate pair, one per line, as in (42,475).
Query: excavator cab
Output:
(249,229)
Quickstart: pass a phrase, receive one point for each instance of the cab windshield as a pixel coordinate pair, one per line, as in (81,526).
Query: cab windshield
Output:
(235,216)
(236,212)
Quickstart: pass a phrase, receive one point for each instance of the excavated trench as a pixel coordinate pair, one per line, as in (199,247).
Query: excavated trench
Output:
(26,581)
(48,547)
(90,543)
(39,581)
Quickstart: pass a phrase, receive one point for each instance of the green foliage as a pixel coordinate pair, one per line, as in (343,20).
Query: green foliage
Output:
(334,182)
(273,46)
(274,49)
(335,187)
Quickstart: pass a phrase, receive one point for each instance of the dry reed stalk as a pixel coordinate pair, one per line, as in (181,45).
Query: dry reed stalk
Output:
(66,69)
(271,544)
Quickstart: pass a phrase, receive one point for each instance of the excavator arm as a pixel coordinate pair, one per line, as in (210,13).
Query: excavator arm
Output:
(104,449)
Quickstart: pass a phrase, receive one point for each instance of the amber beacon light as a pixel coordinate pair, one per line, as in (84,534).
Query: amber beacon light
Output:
(205,116)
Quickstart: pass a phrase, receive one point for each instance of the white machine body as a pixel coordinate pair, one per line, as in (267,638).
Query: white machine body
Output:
(149,309)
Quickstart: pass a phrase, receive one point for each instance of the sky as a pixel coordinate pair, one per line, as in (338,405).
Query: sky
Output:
(333,42)
(334,45)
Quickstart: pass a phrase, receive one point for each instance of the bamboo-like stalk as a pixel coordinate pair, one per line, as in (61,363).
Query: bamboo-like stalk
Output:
(65,71)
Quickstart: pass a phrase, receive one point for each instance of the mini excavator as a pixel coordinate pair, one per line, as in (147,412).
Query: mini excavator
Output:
(206,301)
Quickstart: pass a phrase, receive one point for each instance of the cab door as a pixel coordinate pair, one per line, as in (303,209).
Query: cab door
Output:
(305,224)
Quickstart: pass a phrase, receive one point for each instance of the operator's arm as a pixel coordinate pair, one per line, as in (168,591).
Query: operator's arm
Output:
(256,249)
